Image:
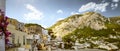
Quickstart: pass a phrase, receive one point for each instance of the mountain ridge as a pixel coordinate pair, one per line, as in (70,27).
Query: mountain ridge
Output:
(82,20)
(24,26)
(89,28)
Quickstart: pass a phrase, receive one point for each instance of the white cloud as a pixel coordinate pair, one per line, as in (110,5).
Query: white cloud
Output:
(114,6)
(34,14)
(93,6)
(60,19)
(115,0)
(59,11)
(73,13)
(45,26)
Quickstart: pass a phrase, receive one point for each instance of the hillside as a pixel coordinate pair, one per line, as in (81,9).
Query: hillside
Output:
(89,28)
(33,28)
(89,19)
(25,27)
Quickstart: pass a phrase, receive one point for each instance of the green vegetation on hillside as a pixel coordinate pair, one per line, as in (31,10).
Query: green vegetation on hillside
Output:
(31,24)
(114,19)
(66,20)
(87,32)
(77,30)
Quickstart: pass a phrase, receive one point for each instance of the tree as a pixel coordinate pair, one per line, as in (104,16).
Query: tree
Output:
(50,32)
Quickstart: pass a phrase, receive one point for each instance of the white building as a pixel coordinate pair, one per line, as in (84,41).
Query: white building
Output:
(46,35)
(31,37)
(17,37)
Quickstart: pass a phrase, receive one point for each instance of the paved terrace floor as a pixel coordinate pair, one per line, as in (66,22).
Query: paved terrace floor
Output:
(13,49)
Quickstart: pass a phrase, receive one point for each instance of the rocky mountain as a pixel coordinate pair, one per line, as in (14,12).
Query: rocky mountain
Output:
(89,19)
(18,25)
(13,21)
(25,27)
(33,28)
(91,28)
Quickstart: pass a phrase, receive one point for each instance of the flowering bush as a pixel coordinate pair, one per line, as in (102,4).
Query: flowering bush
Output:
(3,26)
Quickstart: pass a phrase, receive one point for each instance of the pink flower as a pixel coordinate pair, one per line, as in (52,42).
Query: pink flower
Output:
(1,33)
(6,23)
(7,34)
(0,25)
(6,41)
(5,18)
(3,25)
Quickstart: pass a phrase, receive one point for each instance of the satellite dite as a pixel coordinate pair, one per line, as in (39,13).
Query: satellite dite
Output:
(2,40)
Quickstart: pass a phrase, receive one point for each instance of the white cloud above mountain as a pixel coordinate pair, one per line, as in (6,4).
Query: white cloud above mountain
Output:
(73,13)
(60,11)
(94,7)
(33,13)
(60,19)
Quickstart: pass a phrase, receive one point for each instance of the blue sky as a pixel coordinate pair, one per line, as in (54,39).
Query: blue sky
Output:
(48,12)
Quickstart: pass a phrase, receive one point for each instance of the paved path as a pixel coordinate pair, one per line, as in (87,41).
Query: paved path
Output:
(79,50)
(13,49)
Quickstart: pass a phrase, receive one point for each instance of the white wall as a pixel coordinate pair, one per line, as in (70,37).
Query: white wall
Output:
(31,36)
(18,34)
(44,31)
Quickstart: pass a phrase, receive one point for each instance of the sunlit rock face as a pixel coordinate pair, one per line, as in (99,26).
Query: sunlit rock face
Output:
(89,28)
(89,19)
